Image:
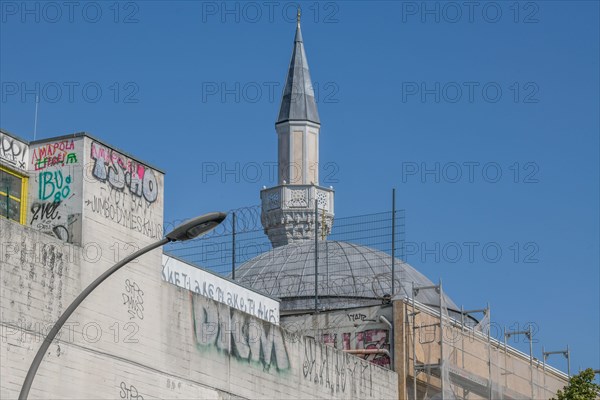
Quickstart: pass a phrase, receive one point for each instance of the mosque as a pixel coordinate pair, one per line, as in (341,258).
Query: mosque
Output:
(311,318)
(354,308)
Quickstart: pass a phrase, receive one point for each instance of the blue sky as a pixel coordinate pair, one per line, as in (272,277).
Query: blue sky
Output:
(500,98)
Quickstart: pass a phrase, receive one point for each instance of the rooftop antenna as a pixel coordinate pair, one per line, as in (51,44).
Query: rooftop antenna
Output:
(298,16)
(37,101)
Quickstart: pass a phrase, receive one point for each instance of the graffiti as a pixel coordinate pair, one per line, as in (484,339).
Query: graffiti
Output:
(133,297)
(57,209)
(374,339)
(323,366)
(129,392)
(54,185)
(13,152)
(44,212)
(345,330)
(119,172)
(54,154)
(367,339)
(357,317)
(130,214)
(46,216)
(241,335)
(221,290)
(58,160)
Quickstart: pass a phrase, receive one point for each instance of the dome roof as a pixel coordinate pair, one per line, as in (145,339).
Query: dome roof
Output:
(350,275)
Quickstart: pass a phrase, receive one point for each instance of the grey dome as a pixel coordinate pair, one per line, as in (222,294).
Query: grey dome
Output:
(349,275)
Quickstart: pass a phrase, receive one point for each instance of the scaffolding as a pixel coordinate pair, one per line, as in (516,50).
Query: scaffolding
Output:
(454,356)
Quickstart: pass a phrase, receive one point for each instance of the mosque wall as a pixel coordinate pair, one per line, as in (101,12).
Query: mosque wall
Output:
(350,329)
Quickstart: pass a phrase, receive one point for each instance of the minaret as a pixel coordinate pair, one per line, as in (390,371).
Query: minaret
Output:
(288,210)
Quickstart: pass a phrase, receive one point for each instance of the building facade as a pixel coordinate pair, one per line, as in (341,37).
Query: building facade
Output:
(158,328)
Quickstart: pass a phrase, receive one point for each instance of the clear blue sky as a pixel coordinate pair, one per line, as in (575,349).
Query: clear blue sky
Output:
(495,88)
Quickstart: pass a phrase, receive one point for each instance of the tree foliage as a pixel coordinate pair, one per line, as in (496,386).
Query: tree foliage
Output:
(580,387)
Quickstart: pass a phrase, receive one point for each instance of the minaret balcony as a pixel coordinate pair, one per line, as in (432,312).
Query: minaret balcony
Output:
(296,197)
(288,212)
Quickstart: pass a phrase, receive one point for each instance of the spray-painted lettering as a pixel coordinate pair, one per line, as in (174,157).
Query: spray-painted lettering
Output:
(239,334)
(53,185)
(54,154)
(13,152)
(133,297)
(129,392)
(120,172)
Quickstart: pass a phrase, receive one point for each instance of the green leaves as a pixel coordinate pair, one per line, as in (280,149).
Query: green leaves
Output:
(580,387)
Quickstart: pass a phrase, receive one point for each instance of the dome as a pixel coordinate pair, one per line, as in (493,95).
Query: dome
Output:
(349,275)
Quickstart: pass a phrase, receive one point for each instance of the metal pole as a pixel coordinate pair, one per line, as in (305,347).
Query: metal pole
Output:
(393,241)
(316,254)
(505,349)
(392,340)
(544,368)
(63,318)
(442,361)
(489,329)
(529,335)
(462,342)
(414,340)
(233,246)
(568,361)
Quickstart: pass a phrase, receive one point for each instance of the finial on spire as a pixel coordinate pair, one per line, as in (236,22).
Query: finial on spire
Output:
(298,16)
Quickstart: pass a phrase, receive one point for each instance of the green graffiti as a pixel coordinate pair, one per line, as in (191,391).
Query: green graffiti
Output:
(53,185)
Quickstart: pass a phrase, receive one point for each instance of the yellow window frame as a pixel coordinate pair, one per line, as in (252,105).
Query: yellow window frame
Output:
(23,199)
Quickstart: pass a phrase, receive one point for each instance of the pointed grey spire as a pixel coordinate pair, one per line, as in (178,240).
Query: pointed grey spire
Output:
(298,101)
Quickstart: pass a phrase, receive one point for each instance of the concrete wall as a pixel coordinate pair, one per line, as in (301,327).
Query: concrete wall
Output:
(56,188)
(138,337)
(351,329)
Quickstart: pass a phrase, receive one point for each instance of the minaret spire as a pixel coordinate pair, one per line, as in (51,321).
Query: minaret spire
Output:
(288,210)
(298,100)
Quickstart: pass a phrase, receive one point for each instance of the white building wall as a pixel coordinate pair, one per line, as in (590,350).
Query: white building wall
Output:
(138,337)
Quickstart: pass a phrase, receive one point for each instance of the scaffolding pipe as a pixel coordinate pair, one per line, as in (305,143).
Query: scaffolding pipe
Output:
(392,339)
(414,340)
(415,290)
(442,361)
(233,246)
(568,361)
(530,337)
(393,241)
(566,353)
(505,353)
(544,367)
(316,255)
(489,317)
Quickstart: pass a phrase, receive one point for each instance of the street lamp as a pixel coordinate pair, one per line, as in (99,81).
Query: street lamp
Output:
(186,231)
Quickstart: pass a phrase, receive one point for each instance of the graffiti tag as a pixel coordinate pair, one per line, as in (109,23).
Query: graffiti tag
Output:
(120,172)
(12,151)
(129,392)
(133,297)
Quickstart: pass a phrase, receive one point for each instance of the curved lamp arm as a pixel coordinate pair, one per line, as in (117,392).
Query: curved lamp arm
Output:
(186,231)
(63,318)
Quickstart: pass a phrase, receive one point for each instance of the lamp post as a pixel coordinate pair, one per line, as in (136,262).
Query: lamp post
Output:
(186,231)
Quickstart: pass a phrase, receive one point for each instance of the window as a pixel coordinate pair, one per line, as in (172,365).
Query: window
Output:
(13,195)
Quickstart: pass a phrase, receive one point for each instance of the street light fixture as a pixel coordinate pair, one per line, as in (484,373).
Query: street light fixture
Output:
(186,231)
